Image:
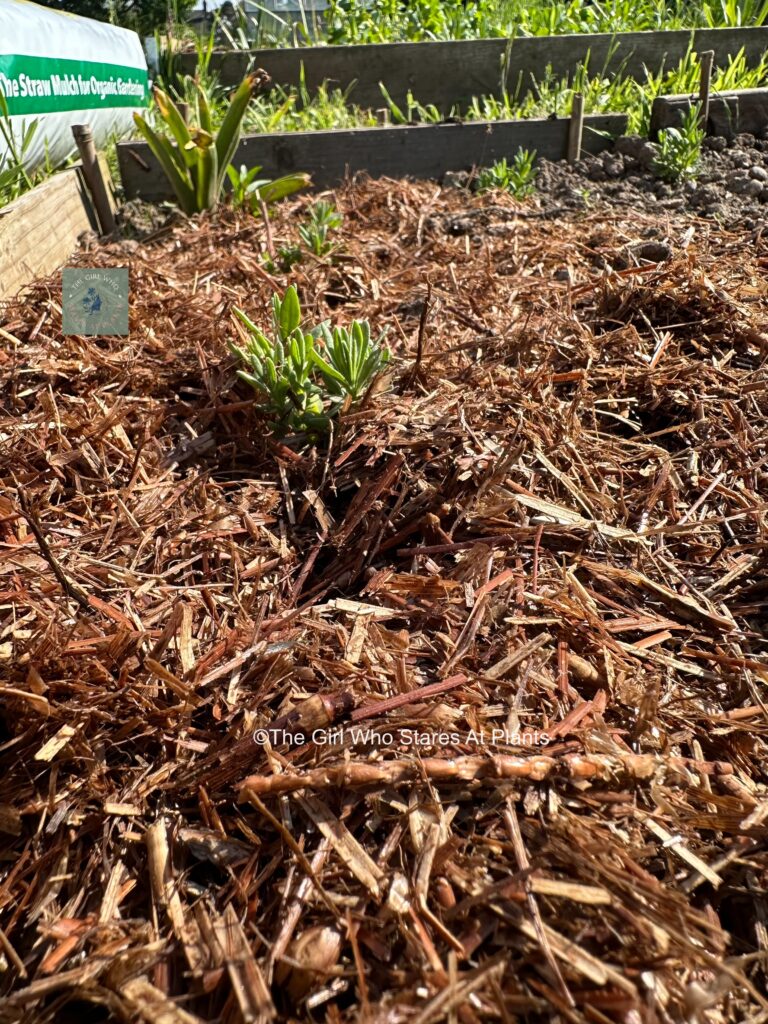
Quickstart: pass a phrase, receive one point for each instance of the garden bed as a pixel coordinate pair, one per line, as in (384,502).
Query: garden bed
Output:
(421,151)
(449,74)
(551,520)
(731,186)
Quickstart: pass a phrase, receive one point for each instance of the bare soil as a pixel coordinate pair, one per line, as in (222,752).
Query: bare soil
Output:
(729,187)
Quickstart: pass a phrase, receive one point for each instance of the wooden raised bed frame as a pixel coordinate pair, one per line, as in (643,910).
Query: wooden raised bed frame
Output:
(423,151)
(40,230)
(450,74)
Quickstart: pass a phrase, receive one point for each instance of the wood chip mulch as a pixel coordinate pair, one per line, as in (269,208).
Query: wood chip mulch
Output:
(504,633)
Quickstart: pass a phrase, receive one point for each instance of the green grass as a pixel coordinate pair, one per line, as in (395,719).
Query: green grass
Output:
(615,93)
(385,21)
(294,110)
(287,110)
(680,148)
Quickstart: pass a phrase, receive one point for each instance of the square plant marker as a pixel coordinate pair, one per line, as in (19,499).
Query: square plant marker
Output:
(94,300)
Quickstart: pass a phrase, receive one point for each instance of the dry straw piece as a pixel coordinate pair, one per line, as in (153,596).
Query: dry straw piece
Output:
(508,618)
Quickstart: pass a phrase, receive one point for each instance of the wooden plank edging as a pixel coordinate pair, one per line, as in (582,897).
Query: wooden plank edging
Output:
(422,151)
(730,113)
(451,73)
(40,230)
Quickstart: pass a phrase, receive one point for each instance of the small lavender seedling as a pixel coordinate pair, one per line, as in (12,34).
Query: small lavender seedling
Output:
(322,219)
(517,177)
(306,376)
(680,148)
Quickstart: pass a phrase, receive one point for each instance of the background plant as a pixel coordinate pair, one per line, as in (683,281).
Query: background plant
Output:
(414,111)
(143,16)
(196,164)
(604,91)
(196,159)
(299,109)
(249,191)
(516,177)
(735,13)
(322,219)
(377,21)
(14,178)
(306,376)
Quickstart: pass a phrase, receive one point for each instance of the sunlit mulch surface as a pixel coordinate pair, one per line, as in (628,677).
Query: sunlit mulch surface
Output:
(550,527)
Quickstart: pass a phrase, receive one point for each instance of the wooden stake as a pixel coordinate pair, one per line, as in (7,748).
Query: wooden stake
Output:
(575,128)
(94,178)
(707,59)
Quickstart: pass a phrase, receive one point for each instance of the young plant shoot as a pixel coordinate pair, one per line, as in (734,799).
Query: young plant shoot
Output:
(196,159)
(306,376)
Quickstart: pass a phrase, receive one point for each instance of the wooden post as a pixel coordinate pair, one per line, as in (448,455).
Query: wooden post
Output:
(707,59)
(575,128)
(184,110)
(94,178)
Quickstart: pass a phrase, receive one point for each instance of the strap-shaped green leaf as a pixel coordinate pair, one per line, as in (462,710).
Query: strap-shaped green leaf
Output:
(204,109)
(163,151)
(176,124)
(229,132)
(290,312)
(325,368)
(208,178)
(273,191)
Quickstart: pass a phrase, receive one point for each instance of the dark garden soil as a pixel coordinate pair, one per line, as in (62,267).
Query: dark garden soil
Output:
(730,187)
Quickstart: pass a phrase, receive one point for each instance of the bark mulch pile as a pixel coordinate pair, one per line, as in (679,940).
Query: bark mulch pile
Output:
(505,631)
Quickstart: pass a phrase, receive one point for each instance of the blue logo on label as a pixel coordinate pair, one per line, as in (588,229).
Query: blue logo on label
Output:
(94,300)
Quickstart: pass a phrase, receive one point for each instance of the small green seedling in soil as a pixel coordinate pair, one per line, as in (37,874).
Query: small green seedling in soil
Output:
(352,359)
(281,367)
(285,258)
(680,148)
(248,190)
(516,178)
(307,376)
(322,219)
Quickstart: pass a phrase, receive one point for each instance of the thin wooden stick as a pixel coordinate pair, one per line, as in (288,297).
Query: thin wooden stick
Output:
(474,769)
(94,178)
(575,128)
(430,690)
(524,865)
(707,59)
(422,328)
(71,589)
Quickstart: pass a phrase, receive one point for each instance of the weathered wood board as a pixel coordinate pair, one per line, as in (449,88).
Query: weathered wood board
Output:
(729,113)
(39,231)
(423,151)
(449,74)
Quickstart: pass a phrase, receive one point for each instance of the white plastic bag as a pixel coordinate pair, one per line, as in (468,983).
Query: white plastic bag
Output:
(60,70)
